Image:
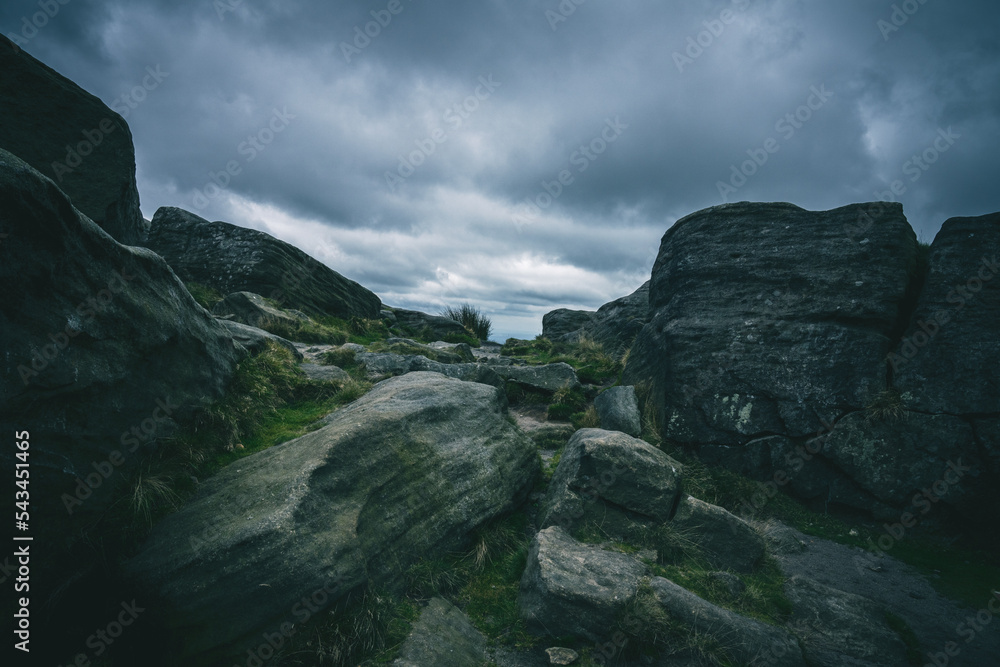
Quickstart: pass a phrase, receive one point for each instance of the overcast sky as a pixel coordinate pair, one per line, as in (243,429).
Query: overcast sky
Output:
(404,157)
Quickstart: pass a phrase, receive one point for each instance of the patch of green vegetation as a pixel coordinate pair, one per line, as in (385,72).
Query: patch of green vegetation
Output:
(305,331)
(586,419)
(887,406)
(516,347)
(341,358)
(909,637)
(205,296)
(565,403)
(473,319)
(592,364)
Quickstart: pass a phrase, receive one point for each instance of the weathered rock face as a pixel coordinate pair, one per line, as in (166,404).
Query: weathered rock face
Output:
(611,478)
(550,377)
(235,259)
(414,322)
(569,588)
(407,471)
(614,325)
(769,319)
(558,323)
(838,628)
(254,339)
(941,364)
(41,113)
(104,349)
(725,540)
(618,410)
(443,635)
(251,309)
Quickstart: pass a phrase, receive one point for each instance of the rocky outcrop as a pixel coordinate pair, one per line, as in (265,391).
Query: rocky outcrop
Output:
(618,410)
(435,327)
(251,309)
(408,471)
(550,377)
(443,635)
(569,588)
(235,259)
(73,138)
(770,319)
(614,325)
(104,351)
(382,365)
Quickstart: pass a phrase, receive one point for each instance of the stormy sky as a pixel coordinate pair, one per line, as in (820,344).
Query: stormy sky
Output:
(528,155)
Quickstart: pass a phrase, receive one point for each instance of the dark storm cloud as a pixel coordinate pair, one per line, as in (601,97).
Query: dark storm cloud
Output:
(519,95)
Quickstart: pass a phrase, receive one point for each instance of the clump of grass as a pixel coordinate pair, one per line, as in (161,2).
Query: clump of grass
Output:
(586,419)
(305,331)
(587,357)
(566,402)
(342,358)
(473,319)
(515,347)
(205,296)
(887,406)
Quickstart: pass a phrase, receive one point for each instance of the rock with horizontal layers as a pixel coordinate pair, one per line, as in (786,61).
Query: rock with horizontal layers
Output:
(251,309)
(416,323)
(235,259)
(769,319)
(839,629)
(574,589)
(255,340)
(72,137)
(725,540)
(407,471)
(443,635)
(104,350)
(618,410)
(550,377)
(744,640)
(613,480)
(617,323)
(940,364)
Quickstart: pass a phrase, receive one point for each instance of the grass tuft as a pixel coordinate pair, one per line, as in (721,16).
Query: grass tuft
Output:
(473,319)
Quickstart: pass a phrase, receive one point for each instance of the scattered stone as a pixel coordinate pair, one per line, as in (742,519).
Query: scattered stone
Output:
(727,541)
(416,323)
(562,656)
(325,373)
(382,365)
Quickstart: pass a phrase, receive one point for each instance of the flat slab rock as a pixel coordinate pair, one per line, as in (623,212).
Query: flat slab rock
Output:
(443,635)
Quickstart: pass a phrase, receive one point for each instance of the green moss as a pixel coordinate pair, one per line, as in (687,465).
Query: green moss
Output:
(205,296)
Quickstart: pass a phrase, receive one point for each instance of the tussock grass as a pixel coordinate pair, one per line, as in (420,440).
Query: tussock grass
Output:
(473,319)
(205,296)
(887,406)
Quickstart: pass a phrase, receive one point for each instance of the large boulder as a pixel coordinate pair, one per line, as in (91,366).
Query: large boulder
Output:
(416,323)
(767,318)
(104,351)
(943,362)
(443,635)
(839,629)
(72,137)
(618,410)
(563,321)
(255,340)
(611,479)
(235,259)
(569,588)
(550,377)
(406,472)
